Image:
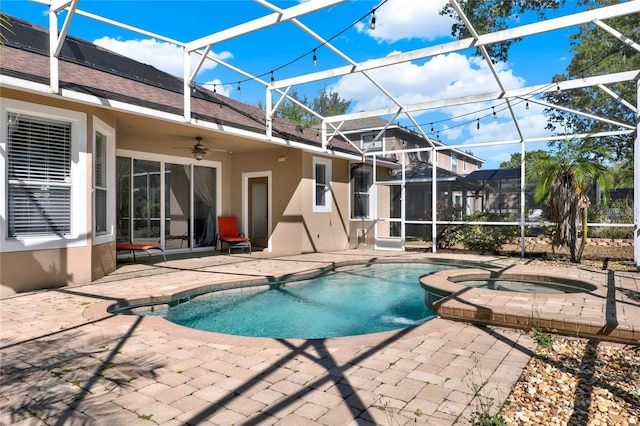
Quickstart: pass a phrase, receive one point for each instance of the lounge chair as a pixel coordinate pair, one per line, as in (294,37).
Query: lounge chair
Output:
(228,233)
(127,245)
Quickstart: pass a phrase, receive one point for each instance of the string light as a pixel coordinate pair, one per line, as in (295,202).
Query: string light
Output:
(214,89)
(239,90)
(273,80)
(315,58)
(495,116)
(559,90)
(527,105)
(431,128)
(478,125)
(373,20)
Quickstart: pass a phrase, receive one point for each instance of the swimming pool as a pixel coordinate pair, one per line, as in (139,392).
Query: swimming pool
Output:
(345,302)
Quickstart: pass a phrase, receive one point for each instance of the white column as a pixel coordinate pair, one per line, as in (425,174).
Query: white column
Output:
(268,111)
(186,72)
(636,185)
(54,83)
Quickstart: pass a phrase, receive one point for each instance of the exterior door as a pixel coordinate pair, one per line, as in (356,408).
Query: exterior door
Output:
(258,211)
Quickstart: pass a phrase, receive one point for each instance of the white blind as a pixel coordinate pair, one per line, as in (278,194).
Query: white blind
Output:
(100,183)
(39,176)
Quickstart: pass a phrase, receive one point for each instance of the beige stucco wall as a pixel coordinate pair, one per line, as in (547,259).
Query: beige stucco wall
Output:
(296,228)
(325,231)
(28,270)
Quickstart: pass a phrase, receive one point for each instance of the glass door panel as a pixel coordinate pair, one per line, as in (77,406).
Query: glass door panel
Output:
(146,202)
(177,206)
(123,201)
(204,197)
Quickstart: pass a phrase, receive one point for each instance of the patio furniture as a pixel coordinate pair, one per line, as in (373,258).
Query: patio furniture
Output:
(228,233)
(131,247)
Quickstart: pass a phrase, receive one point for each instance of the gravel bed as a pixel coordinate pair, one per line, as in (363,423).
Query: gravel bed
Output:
(578,383)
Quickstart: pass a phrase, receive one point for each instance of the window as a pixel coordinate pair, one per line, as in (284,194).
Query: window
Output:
(454,163)
(103,182)
(321,185)
(369,145)
(44,170)
(361,183)
(100,184)
(39,176)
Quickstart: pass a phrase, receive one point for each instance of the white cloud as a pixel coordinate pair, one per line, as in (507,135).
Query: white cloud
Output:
(162,55)
(408,19)
(445,77)
(222,89)
(441,77)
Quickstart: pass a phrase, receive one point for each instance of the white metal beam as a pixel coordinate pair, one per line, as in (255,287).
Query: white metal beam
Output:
(263,22)
(521,92)
(583,114)
(489,61)
(485,39)
(629,42)
(617,97)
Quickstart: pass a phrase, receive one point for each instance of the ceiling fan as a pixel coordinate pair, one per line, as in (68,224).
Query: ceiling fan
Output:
(199,150)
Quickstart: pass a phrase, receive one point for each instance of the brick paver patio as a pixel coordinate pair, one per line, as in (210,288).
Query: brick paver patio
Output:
(65,360)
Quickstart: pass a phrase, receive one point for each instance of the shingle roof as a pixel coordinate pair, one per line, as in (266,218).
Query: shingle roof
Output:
(492,174)
(87,68)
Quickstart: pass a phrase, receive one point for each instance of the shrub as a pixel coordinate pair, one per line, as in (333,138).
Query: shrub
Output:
(480,238)
(618,211)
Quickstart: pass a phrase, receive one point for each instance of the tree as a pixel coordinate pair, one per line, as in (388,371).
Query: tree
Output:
(595,52)
(530,156)
(489,16)
(326,104)
(563,182)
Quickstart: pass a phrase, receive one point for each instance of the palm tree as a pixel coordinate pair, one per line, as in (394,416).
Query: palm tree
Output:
(563,181)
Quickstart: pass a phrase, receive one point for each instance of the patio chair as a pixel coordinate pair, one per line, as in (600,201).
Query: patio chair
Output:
(125,244)
(228,233)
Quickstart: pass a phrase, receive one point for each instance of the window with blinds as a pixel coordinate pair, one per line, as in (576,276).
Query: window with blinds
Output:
(100,184)
(39,158)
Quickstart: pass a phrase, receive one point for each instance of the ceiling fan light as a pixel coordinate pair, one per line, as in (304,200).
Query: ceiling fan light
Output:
(198,155)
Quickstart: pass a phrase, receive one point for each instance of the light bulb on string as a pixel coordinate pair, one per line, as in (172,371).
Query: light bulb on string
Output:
(495,116)
(214,89)
(373,20)
(273,80)
(527,105)
(239,90)
(431,128)
(315,58)
(478,125)
(559,90)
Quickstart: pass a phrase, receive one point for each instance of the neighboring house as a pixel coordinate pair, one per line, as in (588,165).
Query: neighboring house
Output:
(405,147)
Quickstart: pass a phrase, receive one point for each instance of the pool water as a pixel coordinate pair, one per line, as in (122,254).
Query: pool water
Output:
(346,302)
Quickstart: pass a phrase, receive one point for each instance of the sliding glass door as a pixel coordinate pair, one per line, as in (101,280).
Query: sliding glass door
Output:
(177,206)
(167,203)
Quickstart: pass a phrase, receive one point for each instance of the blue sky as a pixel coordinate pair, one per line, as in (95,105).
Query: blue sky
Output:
(402,25)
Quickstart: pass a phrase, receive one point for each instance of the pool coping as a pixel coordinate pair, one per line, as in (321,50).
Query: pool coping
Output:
(455,301)
(554,313)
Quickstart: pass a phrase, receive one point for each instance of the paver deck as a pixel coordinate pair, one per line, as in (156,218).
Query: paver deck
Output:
(65,360)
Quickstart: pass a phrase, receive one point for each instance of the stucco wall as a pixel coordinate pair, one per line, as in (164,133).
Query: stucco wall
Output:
(325,231)
(30,270)
(45,268)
